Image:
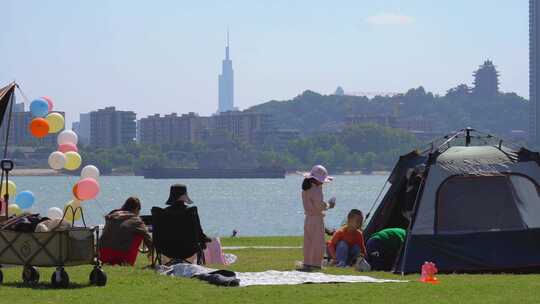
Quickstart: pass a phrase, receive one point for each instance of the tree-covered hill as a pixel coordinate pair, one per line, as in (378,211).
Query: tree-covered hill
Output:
(311,112)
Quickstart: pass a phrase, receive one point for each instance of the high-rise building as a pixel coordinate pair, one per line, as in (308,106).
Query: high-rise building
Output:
(171,128)
(110,128)
(226,83)
(534,71)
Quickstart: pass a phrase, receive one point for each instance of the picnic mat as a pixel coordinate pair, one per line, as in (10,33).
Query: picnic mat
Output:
(272,277)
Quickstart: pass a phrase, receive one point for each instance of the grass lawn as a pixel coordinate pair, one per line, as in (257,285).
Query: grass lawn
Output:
(139,285)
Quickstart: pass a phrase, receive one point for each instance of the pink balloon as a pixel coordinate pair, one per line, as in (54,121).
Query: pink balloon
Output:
(87,189)
(49,101)
(69,147)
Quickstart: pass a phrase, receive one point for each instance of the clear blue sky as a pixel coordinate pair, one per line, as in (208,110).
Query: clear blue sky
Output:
(164,56)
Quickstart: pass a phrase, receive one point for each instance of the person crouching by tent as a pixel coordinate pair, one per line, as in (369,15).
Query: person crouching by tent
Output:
(347,243)
(383,248)
(123,233)
(314,209)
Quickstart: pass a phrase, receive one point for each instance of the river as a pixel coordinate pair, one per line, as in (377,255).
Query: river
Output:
(254,207)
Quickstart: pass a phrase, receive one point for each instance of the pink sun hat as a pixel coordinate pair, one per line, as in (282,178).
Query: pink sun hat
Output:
(319,173)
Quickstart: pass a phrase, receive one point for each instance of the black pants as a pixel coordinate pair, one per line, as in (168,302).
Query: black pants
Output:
(380,256)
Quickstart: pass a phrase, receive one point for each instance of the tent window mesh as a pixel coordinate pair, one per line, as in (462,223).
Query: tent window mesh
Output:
(483,203)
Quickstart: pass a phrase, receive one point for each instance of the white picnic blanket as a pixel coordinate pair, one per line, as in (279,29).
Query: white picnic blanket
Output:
(272,277)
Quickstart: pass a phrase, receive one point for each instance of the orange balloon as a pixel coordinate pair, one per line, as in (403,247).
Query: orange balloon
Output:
(75,191)
(39,127)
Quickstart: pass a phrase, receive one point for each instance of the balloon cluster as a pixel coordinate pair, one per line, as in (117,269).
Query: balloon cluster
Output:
(45,122)
(66,157)
(23,200)
(87,188)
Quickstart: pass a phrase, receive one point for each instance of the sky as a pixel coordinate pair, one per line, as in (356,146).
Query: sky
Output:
(165,56)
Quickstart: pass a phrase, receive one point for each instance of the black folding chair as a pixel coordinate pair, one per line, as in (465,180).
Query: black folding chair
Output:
(177,234)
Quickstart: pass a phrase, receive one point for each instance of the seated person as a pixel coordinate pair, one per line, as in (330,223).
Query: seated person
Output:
(383,248)
(179,199)
(123,233)
(347,243)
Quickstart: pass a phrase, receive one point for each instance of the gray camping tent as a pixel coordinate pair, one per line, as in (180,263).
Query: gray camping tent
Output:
(477,209)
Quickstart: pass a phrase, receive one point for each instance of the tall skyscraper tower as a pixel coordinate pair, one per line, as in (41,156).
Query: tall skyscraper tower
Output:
(534,71)
(226,83)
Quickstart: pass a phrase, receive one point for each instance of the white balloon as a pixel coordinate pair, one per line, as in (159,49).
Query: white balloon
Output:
(67,137)
(57,160)
(90,171)
(55,213)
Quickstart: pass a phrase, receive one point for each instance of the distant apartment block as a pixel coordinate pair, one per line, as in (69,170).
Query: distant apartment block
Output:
(242,125)
(84,129)
(110,127)
(172,128)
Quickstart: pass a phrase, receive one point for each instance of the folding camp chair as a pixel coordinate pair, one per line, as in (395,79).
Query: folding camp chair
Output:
(177,234)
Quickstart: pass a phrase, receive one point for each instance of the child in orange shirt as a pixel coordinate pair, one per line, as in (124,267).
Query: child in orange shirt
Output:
(347,243)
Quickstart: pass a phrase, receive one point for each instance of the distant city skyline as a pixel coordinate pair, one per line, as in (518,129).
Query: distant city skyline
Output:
(163,58)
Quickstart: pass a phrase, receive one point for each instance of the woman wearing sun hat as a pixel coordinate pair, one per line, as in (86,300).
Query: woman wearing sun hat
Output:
(314,210)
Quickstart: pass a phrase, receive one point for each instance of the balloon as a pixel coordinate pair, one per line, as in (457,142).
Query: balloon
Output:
(87,189)
(73,213)
(73,161)
(39,108)
(56,122)
(67,137)
(49,102)
(55,213)
(74,190)
(14,209)
(25,199)
(12,189)
(39,127)
(68,148)
(57,160)
(90,171)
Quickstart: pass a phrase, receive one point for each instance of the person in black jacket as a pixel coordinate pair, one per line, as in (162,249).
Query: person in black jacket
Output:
(179,200)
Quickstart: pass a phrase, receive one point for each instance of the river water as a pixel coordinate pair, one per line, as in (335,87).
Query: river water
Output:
(254,207)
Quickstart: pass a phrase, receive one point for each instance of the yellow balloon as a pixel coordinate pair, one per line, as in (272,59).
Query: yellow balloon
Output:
(73,213)
(11,189)
(56,122)
(14,209)
(73,161)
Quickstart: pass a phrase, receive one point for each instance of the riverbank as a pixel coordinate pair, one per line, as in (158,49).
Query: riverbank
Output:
(35,172)
(141,285)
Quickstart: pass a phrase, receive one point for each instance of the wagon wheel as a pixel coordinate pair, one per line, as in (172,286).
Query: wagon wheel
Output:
(30,275)
(60,278)
(98,277)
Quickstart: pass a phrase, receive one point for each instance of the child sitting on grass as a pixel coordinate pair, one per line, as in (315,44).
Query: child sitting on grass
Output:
(347,243)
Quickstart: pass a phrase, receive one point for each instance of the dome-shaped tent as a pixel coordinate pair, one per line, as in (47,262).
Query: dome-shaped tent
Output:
(470,208)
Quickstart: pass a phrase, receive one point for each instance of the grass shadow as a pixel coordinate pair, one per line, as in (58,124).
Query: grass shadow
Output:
(45,286)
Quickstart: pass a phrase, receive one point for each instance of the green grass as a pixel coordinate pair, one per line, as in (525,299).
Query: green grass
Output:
(140,285)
